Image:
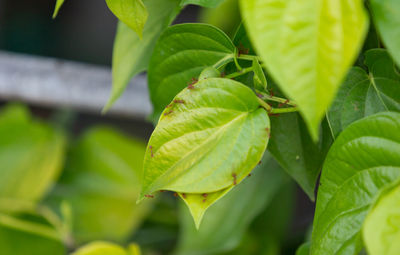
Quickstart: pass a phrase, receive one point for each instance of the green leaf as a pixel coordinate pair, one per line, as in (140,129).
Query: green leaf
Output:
(132,12)
(386,14)
(106,248)
(381,230)
(293,148)
(131,54)
(304,249)
(101,183)
(31,155)
(21,237)
(307,46)
(363,94)
(181,53)
(207,140)
(59,3)
(204,3)
(227,220)
(226,16)
(364,158)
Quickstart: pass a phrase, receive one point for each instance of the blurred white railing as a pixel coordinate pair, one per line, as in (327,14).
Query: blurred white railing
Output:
(59,83)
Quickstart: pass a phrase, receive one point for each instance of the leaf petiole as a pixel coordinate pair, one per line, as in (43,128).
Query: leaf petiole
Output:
(243,71)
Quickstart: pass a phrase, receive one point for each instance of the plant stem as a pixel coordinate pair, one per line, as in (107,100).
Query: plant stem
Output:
(265,105)
(224,60)
(283,110)
(236,74)
(249,57)
(238,67)
(276,99)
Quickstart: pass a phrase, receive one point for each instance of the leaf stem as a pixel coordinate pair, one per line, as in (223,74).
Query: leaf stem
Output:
(224,60)
(276,99)
(284,110)
(235,60)
(243,71)
(265,105)
(249,57)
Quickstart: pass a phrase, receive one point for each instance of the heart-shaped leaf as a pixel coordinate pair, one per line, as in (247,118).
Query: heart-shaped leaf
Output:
(364,158)
(233,213)
(131,55)
(181,53)
(307,46)
(381,230)
(207,140)
(363,94)
(132,12)
(386,15)
(31,155)
(101,183)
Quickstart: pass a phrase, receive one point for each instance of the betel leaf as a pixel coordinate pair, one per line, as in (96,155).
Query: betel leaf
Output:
(307,46)
(386,14)
(363,93)
(106,248)
(204,3)
(59,3)
(19,236)
(381,230)
(101,183)
(293,148)
(233,213)
(207,140)
(132,12)
(131,54)
(181,53)
(31,155)
(364,158)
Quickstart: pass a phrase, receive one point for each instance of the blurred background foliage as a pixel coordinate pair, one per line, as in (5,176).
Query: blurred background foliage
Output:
(70,178)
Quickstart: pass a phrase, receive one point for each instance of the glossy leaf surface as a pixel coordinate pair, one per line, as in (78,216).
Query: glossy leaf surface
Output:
(381,230)
(226,221)
(101,183)
(207,140)
(307,47)
(364,159)
(131,55)
(386,14)
(363,94)
(180,55)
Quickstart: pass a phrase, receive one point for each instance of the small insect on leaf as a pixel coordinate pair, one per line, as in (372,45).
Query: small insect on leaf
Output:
(234,178)
(149,196)
(179,101)
(204,194)
(151,151)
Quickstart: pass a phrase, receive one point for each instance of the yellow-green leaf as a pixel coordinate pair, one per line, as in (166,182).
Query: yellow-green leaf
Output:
(132,12)
(207,140)
(381,230)
(307,46)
